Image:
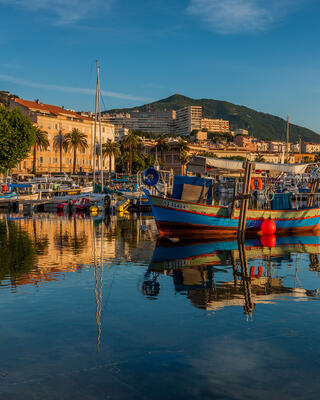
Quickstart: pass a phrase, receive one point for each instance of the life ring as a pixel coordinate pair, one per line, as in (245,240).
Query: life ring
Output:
(253,182)
(150,177)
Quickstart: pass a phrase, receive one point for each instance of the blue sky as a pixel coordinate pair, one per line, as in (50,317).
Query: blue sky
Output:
(262,54)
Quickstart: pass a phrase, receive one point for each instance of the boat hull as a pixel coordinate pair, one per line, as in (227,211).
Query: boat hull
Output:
(181,219)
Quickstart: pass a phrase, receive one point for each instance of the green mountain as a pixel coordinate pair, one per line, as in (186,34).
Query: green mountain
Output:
(259,124)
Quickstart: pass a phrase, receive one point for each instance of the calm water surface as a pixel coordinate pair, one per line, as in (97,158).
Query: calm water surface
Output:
(94,309)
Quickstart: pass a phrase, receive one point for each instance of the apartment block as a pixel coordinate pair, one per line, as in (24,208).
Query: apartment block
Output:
(157,122)
(53,119)
(188,119)
(215,125)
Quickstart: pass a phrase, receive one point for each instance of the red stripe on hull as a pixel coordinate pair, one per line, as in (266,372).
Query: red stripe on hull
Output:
(200,232)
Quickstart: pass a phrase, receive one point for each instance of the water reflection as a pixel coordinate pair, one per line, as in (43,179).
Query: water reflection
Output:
(216,275)
(17,252)
(91,333)
(40,248)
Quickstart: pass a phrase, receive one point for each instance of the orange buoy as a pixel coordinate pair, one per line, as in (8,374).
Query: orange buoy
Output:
(268,227)
(252,270)
(260,270)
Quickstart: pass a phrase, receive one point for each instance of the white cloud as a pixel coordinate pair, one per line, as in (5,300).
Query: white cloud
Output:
(234,16)
(62,12)
(69,89)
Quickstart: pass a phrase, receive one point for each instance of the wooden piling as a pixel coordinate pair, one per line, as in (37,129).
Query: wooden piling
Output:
(244,199)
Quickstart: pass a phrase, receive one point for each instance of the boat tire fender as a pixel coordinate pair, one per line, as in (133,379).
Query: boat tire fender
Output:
(151,176)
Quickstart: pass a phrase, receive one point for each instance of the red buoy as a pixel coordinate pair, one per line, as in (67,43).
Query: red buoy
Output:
(268,240)
(268,227)
(252,270)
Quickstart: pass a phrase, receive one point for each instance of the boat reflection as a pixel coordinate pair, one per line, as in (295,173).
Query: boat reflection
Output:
(219,274)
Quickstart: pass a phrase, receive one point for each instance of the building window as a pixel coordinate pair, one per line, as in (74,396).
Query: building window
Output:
(55,160)
(49,160)
(103,129)
(55,126)
(41,160)
(70,161)
(83,162)
(49,126)
(83,151)
(83,130)
(25,164)
(41,125)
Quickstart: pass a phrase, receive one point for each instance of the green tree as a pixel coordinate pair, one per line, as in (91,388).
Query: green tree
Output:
(17,135)
(75,140)
(184,157)
(162,145)
(110,149)
(42,143)
(58,144)
(130,142)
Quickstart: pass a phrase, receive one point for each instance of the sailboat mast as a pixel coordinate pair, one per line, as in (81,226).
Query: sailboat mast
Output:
(287,146)
(95,131)
(99,120)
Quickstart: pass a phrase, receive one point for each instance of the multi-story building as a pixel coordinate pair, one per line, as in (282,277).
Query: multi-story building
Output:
(277,147)
(188,119)
(241,132)
(157,122)
(310,147)
(53,119)
(215,125)
(246,142)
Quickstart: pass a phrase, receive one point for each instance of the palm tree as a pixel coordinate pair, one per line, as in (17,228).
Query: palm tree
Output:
(162,145)
(130,142)
(259,158)
(42,142)
(110,149)
(58,144)
(184,157)
(76,140)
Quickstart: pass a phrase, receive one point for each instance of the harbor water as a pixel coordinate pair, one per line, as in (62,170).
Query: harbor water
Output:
(98,308)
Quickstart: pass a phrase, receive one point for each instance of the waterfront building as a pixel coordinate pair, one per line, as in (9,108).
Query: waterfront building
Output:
(54,119)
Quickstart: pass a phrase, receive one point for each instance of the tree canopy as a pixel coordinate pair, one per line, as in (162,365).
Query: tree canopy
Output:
(17,135)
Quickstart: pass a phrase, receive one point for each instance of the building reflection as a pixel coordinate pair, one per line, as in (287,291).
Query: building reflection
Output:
(217,275)
(51,245)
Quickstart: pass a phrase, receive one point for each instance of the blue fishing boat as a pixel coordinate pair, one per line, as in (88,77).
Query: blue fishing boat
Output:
(190,212)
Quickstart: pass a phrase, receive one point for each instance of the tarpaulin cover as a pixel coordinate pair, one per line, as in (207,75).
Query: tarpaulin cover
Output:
(179,181)
(19,185)
(203,162)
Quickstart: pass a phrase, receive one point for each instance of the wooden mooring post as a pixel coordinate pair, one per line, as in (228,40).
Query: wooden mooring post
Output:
(244,199)
(249,305)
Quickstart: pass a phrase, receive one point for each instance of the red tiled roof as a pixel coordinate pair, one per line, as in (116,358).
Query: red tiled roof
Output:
(56,110)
